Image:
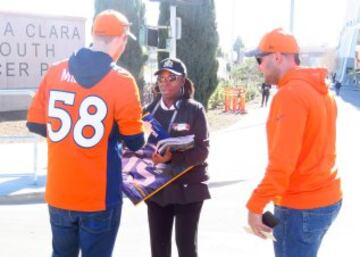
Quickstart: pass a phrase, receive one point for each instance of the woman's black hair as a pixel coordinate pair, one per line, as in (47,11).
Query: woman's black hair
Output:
(189,89)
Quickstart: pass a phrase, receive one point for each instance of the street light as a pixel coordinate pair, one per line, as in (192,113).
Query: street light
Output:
(291,25)
(174,30)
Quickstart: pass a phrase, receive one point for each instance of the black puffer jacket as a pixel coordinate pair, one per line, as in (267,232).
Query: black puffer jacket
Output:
(192,120)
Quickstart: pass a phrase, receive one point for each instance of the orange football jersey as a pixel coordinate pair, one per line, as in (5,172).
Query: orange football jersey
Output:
(84,126)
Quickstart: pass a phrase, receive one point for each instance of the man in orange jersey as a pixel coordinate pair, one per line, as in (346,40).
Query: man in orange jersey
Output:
(300,176)
(85,106)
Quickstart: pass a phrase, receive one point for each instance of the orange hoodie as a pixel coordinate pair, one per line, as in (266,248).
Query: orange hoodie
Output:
(301,131)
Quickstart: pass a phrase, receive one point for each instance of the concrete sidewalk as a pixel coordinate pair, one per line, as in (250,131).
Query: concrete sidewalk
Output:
(237,153)
(18,180)
(20,184)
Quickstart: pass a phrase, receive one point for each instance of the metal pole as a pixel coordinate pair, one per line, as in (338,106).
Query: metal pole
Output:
(291,25)
(35,176)
(233,8)
(173,31)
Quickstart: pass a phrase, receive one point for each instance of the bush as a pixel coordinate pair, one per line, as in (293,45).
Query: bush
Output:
(245,74)
(251,92)
(217,98)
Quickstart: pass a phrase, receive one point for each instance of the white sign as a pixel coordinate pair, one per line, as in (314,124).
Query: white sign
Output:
(30,43)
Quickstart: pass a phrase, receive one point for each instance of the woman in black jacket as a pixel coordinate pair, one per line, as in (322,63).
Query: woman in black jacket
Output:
(182,200)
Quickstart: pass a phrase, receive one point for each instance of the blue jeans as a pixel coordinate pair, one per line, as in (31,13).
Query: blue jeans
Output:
(92,233)
(300,232)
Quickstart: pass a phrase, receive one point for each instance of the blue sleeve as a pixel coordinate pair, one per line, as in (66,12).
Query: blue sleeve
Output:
(134,142)
(37,128)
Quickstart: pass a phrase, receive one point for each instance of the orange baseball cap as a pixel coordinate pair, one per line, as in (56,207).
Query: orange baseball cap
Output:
(276,40)
(111,23)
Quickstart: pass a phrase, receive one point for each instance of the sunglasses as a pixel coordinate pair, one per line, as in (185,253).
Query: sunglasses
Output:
(170,78)
(259,58)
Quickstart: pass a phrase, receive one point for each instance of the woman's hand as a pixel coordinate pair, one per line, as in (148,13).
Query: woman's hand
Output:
(158,158)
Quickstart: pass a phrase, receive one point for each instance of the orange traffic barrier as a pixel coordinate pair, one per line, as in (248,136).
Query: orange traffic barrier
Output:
(227,99)
(242,101)
(235,99)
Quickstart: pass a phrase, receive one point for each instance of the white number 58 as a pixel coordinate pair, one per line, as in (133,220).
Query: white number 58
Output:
(86,118)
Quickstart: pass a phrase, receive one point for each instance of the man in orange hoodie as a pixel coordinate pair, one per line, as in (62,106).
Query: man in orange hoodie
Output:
(301,177)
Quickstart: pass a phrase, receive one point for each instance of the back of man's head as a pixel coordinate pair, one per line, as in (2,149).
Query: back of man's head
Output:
(110,31)
(111,23)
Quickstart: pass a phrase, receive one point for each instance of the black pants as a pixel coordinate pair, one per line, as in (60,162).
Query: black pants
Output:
(264,99)
(161,221)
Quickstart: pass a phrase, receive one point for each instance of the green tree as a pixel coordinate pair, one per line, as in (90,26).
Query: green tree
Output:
(247,75)
(198,45)
(133,58)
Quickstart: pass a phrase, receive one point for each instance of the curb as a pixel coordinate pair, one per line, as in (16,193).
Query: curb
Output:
(38,197)
(223,183)
(26,198)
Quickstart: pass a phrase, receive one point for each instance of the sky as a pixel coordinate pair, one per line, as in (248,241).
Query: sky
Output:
(316,22)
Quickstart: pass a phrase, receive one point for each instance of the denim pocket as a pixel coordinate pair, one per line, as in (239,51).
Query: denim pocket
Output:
(282,214)
(98,222)
(317,221)
(57,216)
